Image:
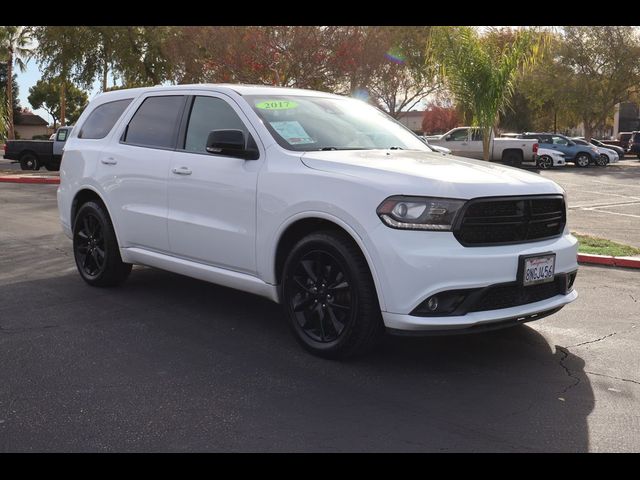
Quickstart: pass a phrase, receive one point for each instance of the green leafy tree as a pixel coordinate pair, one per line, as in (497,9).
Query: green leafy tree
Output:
(14,48)
(481,73)
(139,55)
(60,56)
(604,69)
(46,94)
(101,46)
(549,90)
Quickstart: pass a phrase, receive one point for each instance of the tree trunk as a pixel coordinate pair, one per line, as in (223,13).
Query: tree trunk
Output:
(588,130)
(486,143)
(63,103)
(105,71)
(11,135)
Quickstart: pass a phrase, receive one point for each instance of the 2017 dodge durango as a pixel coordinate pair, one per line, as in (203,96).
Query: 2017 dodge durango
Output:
(319,202)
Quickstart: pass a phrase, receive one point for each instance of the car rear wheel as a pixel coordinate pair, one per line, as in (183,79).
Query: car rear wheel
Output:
(512,158)
(544,162)
(329,296)
(602,160)
(29,162)
(582,160)
(95,248)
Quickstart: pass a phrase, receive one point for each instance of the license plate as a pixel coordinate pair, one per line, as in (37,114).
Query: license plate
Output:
(538,269)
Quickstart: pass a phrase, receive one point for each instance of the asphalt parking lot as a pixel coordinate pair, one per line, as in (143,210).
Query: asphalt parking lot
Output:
(604,202)
(168,363)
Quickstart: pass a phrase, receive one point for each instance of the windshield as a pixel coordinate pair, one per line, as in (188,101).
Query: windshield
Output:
(306,124)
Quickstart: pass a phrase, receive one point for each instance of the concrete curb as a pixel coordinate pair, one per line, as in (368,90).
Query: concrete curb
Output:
(30,179)
(626,262)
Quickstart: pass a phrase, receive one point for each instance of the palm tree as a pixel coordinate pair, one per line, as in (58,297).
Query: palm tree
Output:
(14,47)
(481,74)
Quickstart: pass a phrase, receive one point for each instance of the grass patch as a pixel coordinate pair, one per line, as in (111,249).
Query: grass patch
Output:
(602,246)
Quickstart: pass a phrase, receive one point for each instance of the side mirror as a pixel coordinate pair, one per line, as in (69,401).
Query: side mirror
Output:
(231,143)
(448,137)
(571,144)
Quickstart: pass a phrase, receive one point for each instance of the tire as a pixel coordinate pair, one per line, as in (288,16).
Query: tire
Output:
(544,162)
(329,297)
(93,233)
(582,160)
(602,160)
(52,168)
(511,158)
(29,161)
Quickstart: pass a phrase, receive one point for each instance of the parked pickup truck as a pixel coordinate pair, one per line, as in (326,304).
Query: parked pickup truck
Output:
(467,142)
(33,154)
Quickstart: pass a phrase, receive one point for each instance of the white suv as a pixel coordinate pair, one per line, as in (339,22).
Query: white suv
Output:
(316,201)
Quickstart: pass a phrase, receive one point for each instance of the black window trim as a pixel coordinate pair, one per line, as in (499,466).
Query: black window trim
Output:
(176,126)
(186,117)
(130,99)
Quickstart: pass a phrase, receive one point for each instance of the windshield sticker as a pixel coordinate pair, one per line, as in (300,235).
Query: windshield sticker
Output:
(292,132)
(277,105)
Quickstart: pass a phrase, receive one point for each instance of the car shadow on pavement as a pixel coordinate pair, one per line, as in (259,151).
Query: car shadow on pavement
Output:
(169,363)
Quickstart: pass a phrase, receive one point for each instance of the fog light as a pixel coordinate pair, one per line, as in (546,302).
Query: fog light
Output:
(432,304)
(443,303)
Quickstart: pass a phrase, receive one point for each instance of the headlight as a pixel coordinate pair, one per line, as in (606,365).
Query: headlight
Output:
(419,213)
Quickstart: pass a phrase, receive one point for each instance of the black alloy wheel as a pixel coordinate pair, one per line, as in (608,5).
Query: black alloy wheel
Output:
(95,247)
(89,245)
(320,296)
(329,296)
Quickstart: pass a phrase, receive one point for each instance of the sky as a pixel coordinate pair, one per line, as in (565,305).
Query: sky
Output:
(29,78)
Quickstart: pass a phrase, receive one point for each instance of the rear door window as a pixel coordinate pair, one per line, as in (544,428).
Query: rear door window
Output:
(102,119)
(155,123)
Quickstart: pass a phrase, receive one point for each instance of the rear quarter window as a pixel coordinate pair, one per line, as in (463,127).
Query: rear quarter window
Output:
(103,118)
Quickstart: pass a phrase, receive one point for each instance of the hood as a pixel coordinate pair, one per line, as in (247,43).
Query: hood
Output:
(549,151)
(430,173)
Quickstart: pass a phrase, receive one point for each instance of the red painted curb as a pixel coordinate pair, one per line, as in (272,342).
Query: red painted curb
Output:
(627,262)
(20,179)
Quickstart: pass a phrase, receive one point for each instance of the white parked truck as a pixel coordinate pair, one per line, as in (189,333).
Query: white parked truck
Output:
(467,142)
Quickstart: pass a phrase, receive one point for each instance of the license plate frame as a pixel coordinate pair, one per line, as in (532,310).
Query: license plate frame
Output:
(526,262)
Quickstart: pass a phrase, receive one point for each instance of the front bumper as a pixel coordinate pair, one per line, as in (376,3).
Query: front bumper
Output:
(411,266)
(472,321)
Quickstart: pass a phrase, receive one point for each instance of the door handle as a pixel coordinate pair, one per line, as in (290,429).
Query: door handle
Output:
(109,161)
(181,170)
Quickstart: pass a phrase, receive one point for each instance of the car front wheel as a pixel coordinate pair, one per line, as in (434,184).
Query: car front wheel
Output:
(582,160)
(544,162)
(329,296)
(602,160)
(95,248)
(29,162)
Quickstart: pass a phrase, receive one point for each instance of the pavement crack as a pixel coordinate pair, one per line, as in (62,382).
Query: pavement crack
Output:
(593,341)
(26,329)
(565,353)
(633,298)
(611,376)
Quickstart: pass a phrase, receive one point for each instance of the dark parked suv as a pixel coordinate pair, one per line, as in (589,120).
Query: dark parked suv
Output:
(634,144)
